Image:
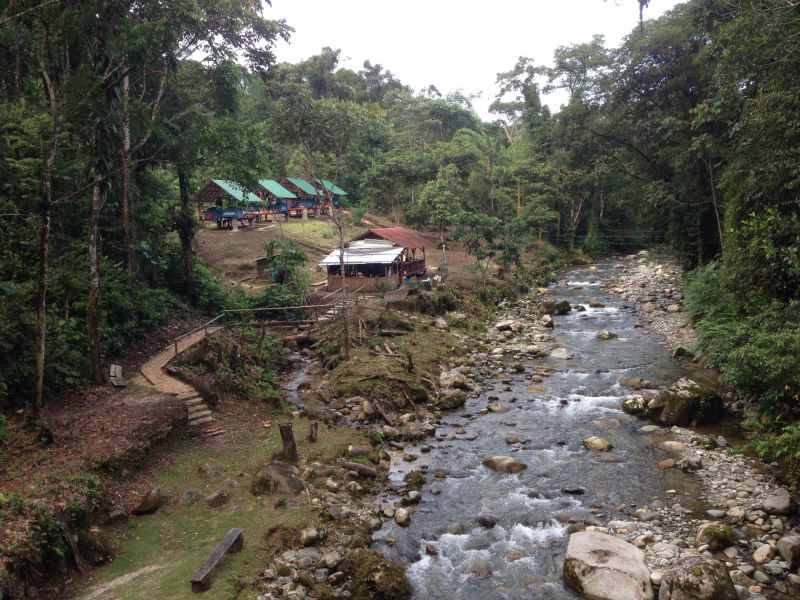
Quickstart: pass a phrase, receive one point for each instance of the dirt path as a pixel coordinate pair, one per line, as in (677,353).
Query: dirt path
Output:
(152,374)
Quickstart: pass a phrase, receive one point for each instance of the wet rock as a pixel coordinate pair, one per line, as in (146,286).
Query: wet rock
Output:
(152,501)
(597,444)
(716,534)
(551,307)
(635,382)
(402,517)
(688,402)
(561,353)
(764,553)
(635,404)
(778,504)
(697,578)
(487,521)
(504,464)
(276,476)
(450,398)
(606,335)
(789,548)
(496,408)
(602,566)
(480,569)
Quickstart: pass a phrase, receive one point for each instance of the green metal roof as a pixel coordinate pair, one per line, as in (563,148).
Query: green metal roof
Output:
(305,186)
(237,192)
(275,188)
(336,189)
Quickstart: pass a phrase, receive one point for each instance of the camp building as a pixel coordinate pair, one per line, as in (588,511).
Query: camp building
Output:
(378,255)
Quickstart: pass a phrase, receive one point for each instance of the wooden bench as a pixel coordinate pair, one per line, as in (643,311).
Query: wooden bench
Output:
(233,541)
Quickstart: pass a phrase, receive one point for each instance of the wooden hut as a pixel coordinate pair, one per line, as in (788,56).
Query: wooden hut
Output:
(410,241)
(387,255)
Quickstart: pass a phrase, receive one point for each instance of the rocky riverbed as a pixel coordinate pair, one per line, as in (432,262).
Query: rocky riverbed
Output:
(727,508)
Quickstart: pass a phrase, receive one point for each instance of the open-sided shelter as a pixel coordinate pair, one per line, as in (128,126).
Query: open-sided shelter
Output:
(335,191)
(387,254)
(276,196)
(231,197)
(309,196)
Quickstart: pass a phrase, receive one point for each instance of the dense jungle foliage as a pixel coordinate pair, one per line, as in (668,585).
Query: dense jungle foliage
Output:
(687,133)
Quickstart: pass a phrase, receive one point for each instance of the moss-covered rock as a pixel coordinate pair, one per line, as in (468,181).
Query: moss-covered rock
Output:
(374,577)
(697,578)
(717,535)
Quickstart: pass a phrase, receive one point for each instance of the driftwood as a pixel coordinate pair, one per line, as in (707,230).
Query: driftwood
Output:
(206,391)
(363,470)
(289,447)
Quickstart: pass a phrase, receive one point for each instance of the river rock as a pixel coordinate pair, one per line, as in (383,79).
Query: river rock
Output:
(648,307)
(551,307)
(673,308)
(561,353)
(454,379)
(789,548)
(697,578)
(597,444)
(764,553)
(635,404)
(504,464)
(687,402)
(778,504)
(496,408)
(606,335)
(151,502)
(717,535)
(635,382)
(450,398)
(402,517)
(601,566)
(276,476)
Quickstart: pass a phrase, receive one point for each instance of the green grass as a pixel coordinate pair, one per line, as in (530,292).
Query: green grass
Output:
(177,539)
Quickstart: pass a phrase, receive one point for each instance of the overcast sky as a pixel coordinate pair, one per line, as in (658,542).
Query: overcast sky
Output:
(452,44)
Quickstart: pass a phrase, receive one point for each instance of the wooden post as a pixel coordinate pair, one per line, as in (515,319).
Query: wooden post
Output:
(289,447)
(312,432)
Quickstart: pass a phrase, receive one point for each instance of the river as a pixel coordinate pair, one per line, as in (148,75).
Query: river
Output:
(448,552)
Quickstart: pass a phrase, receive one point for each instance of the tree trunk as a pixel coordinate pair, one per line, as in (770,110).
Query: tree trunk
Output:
(34,411)
(289,447)
(313,429)
(92,317)
(126,174)
(186,234)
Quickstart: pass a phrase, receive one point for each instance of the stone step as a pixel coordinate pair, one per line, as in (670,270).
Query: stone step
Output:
(193,400)
(196,414)
(202,421)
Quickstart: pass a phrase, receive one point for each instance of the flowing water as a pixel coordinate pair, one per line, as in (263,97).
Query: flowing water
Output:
(448,553)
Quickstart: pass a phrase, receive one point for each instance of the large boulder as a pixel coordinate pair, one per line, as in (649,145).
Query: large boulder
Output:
(789,548)
(697,578)
(686,403)
(603,567)
(151,502)
(551,307)
(716,534)
(504,464)
(635,404)
(449,399)
(276,477)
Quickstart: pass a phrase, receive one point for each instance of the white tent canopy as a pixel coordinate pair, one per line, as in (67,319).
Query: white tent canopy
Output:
(363,256)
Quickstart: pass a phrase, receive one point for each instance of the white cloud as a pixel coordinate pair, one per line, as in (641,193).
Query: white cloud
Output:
(452,44)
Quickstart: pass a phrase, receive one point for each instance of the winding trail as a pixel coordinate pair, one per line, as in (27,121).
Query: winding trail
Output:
(152,374)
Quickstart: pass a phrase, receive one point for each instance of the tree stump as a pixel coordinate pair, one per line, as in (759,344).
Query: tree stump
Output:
(312,432)
(289,447)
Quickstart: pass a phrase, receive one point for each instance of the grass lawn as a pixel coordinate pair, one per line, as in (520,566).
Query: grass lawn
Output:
(157,554)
